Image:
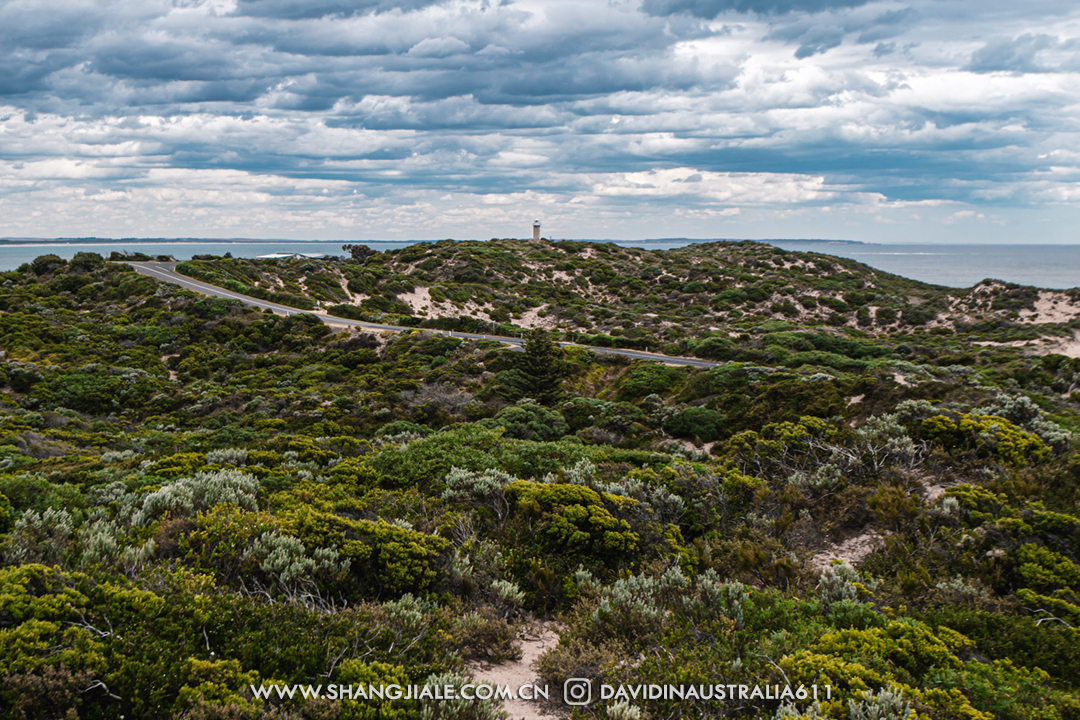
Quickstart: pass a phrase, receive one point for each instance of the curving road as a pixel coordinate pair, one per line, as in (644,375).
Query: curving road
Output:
(166,272)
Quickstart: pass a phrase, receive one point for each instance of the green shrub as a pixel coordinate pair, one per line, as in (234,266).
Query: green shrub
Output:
(651,378)
(43,264)
(917,315)
(576,519)
(5,514)
(988,435)
(528,422)
(700,422)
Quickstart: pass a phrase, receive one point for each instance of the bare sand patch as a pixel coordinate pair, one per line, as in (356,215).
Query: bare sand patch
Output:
(531,319)
(852,551)
(1051,307)
(933,491)
(688,445)
(419,300)
(165,360)
(1070,346)
(1008,343)
(534,643)
(471,309)
(354,298)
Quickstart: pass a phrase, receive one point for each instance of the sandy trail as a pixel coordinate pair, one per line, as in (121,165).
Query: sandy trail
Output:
(520,672)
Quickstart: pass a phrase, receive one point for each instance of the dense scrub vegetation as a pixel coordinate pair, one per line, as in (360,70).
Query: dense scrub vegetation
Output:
(690,300)
(196,497)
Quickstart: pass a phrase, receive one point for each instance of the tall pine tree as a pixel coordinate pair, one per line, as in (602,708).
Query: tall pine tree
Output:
(538,372)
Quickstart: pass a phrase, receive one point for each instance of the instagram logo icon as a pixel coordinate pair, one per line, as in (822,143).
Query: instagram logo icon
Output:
(577,691)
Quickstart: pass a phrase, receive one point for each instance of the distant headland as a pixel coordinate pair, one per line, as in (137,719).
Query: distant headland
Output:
(649,241)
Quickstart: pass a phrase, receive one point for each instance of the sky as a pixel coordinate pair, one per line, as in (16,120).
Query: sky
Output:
(923,121)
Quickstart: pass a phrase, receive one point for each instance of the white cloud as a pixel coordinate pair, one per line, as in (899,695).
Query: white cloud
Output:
(291,118)
(438,47)
(718,188)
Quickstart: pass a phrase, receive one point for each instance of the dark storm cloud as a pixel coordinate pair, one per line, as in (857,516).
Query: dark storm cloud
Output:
(147,58)
(710,9)
(816,34)
(818,41)
(1017,55)
(813,38)
(888,25)
(25,72)
(47,26)
(306,9)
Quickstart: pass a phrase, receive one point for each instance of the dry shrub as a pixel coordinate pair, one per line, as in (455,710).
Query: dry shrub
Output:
(576,657)
(49,693)
(483,635)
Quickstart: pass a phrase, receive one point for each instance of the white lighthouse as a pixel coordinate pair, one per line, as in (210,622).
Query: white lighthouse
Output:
(536,231)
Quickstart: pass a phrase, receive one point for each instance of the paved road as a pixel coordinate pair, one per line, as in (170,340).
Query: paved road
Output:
(166,272)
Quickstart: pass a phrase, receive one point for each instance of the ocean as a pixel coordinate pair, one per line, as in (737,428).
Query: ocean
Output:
(16,252)
(1049,266)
